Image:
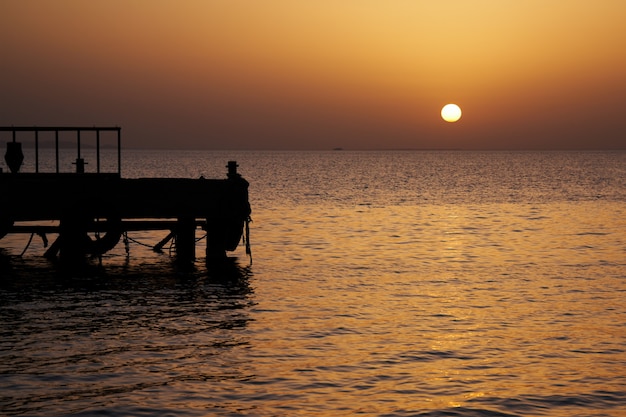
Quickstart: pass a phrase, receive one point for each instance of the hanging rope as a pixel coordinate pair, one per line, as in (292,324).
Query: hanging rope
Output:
(138,242)
(27,245)
(246,238)
(97,234)
(126,244)
(172,245)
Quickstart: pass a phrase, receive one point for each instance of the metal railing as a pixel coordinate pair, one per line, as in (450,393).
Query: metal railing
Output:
(80,163)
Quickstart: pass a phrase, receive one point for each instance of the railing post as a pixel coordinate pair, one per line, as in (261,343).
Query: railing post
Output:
(56,149)
(98,151)
(186,239)
(119,151)
(37,151)
(78,143)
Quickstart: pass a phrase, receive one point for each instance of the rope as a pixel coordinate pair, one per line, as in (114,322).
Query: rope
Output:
(97,234)
(126,244)
(27,245)
(172,244)
(97,231)
(246,238)
(127,239)
(139,243)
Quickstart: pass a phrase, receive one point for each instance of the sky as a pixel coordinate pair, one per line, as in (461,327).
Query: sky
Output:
(320,74)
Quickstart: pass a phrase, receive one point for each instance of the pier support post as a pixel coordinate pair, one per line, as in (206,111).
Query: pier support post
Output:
(186,239)
(215,246)
(73,240)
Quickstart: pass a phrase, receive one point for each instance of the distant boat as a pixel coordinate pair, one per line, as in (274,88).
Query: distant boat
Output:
(337,149)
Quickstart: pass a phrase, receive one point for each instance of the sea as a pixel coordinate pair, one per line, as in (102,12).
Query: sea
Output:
(380,283)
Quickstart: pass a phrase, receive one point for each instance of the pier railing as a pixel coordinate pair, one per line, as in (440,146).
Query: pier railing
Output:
(14,148)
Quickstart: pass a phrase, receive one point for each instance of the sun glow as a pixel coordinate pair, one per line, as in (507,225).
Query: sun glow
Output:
(261,75)
(451,113)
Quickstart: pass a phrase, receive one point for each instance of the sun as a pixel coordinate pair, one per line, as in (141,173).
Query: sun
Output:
(451,113)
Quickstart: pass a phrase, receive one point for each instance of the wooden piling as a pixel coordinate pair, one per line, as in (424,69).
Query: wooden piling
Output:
(186,239)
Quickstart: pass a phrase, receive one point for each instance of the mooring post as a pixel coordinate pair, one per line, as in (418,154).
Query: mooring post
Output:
(80,165)
(186,239)
(232,170)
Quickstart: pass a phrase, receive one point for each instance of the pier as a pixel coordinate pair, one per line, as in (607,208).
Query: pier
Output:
(90,211)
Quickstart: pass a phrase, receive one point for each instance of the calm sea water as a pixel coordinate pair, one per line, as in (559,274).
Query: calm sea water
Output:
(382,284)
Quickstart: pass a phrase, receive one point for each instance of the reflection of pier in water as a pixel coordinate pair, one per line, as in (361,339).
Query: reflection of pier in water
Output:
(105,205)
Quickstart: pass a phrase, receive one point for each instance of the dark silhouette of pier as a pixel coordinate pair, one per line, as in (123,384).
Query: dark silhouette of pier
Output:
(93,210)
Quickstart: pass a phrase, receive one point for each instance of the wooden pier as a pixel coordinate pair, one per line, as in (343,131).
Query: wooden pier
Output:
(91,211)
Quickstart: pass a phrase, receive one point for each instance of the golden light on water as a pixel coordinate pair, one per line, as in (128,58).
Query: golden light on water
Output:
(383,283)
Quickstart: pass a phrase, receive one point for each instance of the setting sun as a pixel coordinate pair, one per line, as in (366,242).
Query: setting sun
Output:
(451,113)
(215,75)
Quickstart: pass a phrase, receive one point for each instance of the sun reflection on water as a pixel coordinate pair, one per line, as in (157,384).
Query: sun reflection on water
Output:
(401,299)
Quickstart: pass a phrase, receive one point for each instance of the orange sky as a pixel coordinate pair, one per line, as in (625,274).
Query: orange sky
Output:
(284,74)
